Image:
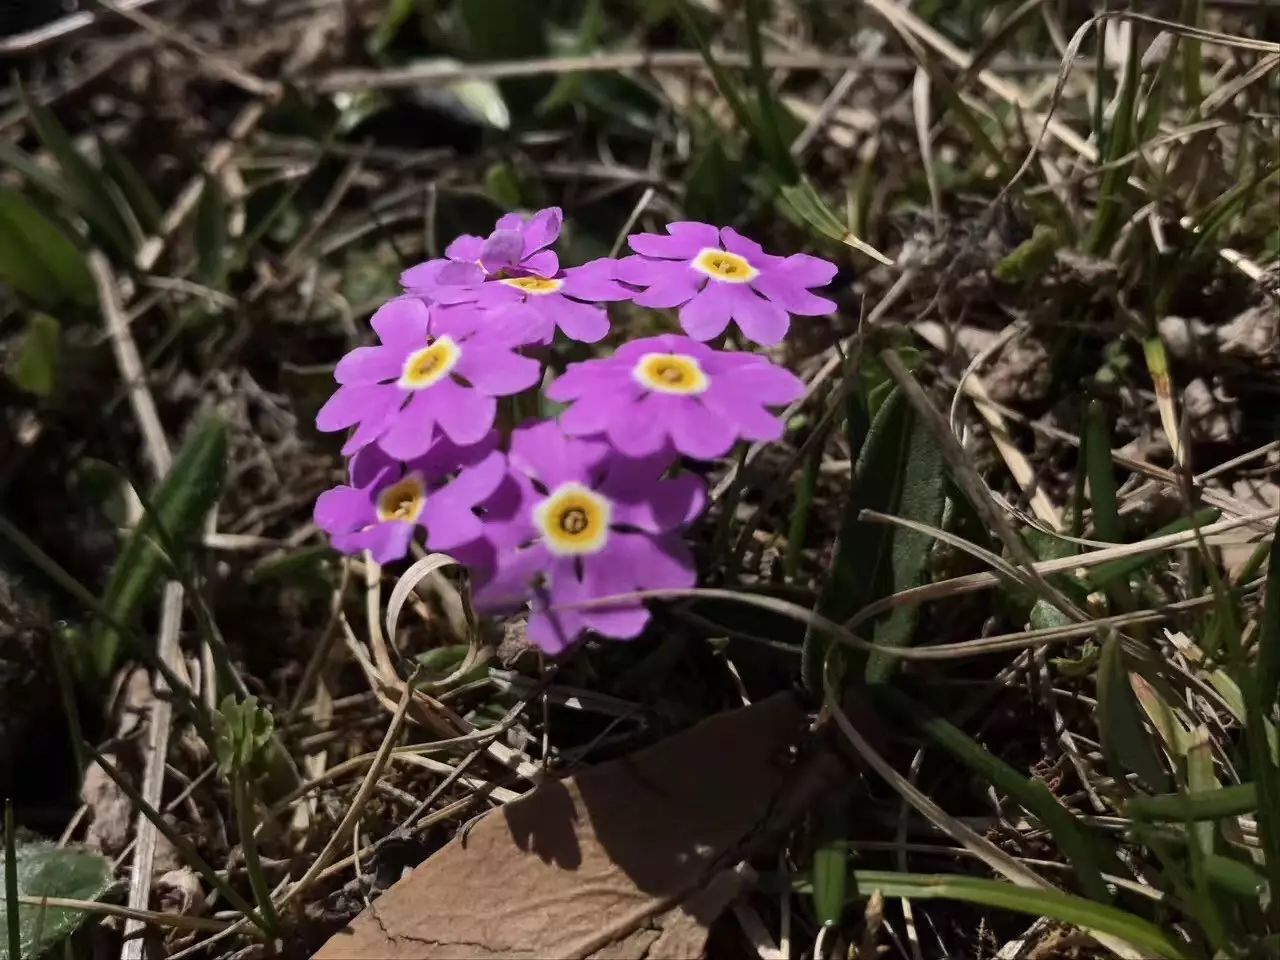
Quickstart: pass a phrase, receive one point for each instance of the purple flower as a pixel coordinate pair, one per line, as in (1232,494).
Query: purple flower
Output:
(515,246)
(530,307)
(715,276)
(436,366)
(575,522)
(388,500)
(673,390)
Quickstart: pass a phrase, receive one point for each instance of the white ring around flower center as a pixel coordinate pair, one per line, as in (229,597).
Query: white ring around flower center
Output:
(724,266)
(573,520)
(534,285)
(404,499)
(428,366)
(670,373)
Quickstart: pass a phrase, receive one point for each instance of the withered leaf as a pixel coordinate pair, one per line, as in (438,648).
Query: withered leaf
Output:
(626,860)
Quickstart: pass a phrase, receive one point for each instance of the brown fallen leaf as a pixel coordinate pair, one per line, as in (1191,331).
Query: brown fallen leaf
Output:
(630,859)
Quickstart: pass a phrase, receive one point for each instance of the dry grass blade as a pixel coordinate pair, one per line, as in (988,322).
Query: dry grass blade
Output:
(174,921)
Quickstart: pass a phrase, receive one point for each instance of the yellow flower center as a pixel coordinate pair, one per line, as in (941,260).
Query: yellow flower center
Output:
(670,373)
(535,285)
(724,266)
(403,500)
(430,365)
(574,520)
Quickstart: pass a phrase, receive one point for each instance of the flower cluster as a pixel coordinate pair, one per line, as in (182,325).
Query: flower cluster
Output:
(569,517)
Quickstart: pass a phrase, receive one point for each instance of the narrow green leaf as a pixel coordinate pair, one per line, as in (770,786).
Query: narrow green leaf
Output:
(37,258)
(1086,851)
(1268,669)
(1259,698)
(1051,904)
(84,183)
(830,859)
(12,921)
(137,193)
(921,497)
(1119,141)
(861,562)
(1231,801)
(186,494)
(1105,573)
(768,125)
(1125,741)
(1029,259)
(1102,478)
(35,368)
(41,869)
(211,235)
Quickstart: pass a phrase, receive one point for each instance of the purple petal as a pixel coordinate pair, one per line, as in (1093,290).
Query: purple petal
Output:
(656,506)
(735,242)
(519,324)
(542,230)
(372,467)
(632,562)
(707,315)
(497,371)
(644,430)
(352,404)
(791,296)
(578,321)
(740,407)
(368,365)
(544,452)
(603,408)
(544,264)
(387,541)
(580,377)
(412,431)
(343,508)
(808,271)
(402,323)
(757,378)
(502,248)
(687,238)
(760,320)
(467,248)
(594,281)
(700,433)
(509,585)
(464,414)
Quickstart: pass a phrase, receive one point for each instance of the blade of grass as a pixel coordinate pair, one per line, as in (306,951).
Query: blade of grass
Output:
(1082,849)
(12,920)
(1125,741)
(1232,801)
(1119,141)
(1064,907)
(187,493)
(1268,669)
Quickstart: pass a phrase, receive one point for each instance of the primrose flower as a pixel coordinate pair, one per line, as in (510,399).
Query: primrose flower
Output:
(435,366)
(580,522)
(530,306)
(717,275)
(671,390)
(387,500)
(515,246)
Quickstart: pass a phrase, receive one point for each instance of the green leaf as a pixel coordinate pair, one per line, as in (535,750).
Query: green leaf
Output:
(211,235)
(46,870)
(84,184)
(1217,804)
(35,368)
(187,493)
(1031,258)
(861,560)
(712,192)
(396,15)
(1052,904)
(37,258)
(137,193)
(1102,478)
(244,731)
(1125,741)
(1268,669)
(830,859)
(1118,141)
(921,497)
(1084,850)
(1105,573)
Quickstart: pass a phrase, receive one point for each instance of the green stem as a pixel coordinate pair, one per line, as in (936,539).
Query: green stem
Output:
(11,883)
(243,801)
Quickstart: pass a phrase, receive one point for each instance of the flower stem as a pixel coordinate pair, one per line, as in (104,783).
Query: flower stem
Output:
(243,802)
